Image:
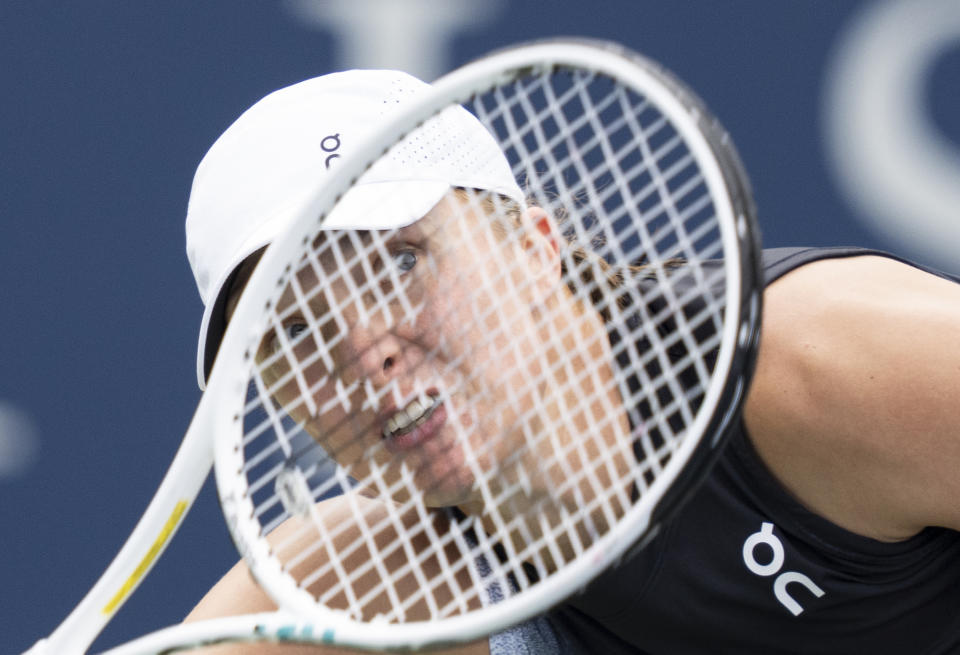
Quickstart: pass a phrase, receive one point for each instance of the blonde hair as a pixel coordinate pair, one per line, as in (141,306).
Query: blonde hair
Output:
(586,274)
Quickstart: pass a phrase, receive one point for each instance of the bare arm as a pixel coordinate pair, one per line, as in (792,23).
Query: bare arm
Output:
(237,593)
(856,400)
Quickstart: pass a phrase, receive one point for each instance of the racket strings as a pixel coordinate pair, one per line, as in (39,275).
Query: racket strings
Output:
(649,320)
(361,571)
(481,315)
(576,382)
(625,185)
(561,152)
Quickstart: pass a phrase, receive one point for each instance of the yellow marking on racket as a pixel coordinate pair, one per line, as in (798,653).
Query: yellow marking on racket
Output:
(147,560)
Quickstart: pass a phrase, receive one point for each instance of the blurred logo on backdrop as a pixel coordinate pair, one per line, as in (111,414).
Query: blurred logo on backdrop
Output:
(900,172)
(19,442)
(413,35)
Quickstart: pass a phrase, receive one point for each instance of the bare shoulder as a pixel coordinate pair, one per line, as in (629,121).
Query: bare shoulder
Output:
(854,403)
(237,593)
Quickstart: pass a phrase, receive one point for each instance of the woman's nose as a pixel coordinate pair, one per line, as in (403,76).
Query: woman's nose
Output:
(377,354)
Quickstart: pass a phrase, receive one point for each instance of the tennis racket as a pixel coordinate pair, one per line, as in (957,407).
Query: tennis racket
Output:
(424,434)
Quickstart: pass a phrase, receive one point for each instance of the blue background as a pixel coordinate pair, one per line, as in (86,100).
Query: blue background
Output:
(106,109)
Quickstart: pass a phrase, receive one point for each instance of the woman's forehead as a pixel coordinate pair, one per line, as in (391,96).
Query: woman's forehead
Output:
(337,254)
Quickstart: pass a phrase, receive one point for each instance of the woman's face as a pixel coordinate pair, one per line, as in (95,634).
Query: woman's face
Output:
(423,354)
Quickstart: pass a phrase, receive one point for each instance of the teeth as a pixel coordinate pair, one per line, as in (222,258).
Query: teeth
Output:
(414,414)
(402,419)
(414,410)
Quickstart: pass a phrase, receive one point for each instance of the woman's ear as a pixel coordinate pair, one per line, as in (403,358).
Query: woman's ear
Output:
(541,242)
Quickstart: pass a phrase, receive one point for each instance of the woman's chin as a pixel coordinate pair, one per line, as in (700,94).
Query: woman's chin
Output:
(446,488)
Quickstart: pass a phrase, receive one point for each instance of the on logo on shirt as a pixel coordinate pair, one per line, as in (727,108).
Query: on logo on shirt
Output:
(765,536)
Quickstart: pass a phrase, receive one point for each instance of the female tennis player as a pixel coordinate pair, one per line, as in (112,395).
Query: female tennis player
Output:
(831,522)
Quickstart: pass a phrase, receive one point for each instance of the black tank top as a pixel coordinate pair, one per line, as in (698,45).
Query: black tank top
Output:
(743,568)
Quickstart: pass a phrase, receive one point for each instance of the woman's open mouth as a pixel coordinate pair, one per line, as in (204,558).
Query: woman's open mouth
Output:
(410,425)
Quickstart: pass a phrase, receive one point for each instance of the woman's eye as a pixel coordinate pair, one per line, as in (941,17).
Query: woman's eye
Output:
(291,331)
(294,330)
(405,260)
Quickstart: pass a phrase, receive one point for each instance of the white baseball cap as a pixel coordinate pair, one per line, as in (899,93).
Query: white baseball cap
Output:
(252,179)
